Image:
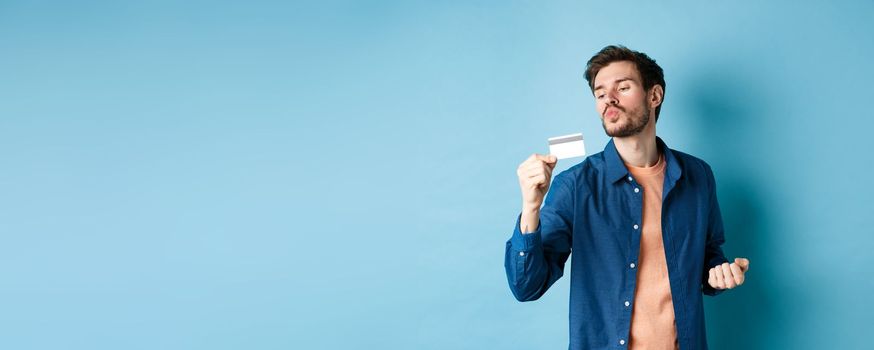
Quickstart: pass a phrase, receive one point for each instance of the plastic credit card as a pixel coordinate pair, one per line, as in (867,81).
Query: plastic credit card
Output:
(567,146)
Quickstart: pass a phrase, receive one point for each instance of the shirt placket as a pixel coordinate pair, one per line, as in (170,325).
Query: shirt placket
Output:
(635,195)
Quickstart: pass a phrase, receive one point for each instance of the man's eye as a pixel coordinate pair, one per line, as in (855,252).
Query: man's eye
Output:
(623,88)
(599,96)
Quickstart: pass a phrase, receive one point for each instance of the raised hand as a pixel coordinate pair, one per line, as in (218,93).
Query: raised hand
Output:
(534,175)
(728,276)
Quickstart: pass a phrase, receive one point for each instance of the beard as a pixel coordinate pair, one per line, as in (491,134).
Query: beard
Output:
(634,123)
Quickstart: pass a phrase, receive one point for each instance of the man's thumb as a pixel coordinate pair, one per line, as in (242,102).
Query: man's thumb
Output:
(744,263)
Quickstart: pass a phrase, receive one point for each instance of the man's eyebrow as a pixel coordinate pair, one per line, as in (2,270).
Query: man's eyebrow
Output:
(618,80)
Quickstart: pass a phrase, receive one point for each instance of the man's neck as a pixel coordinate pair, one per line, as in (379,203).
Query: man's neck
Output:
(639,150)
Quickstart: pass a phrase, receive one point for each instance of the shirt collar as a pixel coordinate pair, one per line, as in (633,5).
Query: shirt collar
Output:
(616,169)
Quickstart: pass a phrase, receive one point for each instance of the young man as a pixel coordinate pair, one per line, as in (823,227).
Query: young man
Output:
(642,221)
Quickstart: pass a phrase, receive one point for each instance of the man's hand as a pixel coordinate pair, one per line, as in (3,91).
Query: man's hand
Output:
(728,276)
(534,175)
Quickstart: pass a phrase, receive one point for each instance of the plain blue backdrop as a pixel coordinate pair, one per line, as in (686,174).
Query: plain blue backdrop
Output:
(341,175)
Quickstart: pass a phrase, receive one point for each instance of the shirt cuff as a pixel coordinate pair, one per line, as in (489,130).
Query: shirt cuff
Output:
(524,241)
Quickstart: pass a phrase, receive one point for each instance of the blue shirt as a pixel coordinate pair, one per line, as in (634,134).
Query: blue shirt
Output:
(592,210)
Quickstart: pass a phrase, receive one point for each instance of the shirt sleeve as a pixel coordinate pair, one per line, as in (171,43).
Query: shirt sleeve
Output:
(713,254)
(534,261)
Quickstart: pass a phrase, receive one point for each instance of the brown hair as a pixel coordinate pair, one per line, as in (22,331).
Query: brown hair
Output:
(650,72)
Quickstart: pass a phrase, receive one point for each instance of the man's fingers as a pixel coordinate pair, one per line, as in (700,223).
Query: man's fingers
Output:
(547,158)
(537,166)
(538,180)
(728,276)
(717,272)
(534,170)
(531,166)
(537,174)
(737,273)
(533,173)
(744,263)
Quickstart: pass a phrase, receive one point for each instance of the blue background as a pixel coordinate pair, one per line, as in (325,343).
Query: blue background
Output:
(314,175)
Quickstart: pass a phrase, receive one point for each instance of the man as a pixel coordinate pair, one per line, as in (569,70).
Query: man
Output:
(642,221)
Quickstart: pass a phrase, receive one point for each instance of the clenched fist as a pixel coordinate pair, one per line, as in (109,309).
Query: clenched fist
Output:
(534,175)
(728,276)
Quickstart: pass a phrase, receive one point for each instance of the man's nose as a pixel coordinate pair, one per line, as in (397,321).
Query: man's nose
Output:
(611,98)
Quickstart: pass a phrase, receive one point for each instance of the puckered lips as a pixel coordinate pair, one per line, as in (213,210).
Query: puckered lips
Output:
(612,114)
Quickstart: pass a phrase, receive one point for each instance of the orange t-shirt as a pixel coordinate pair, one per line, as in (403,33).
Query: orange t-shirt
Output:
(652,318)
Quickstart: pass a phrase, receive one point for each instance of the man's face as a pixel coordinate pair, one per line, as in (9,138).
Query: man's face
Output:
(621,99)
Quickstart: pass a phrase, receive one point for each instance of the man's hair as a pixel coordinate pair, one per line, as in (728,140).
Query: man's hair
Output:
(649,71)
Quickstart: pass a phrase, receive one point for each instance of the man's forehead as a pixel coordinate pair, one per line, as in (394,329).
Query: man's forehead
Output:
(621,70)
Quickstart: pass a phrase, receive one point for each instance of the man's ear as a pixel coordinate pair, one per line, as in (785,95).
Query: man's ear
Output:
(656,96)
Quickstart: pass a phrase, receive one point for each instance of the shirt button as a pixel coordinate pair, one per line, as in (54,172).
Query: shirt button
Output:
(629,178)
(636,227)
(521,253)
(627,303)
(636,190)
(632,265)
(621,341)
